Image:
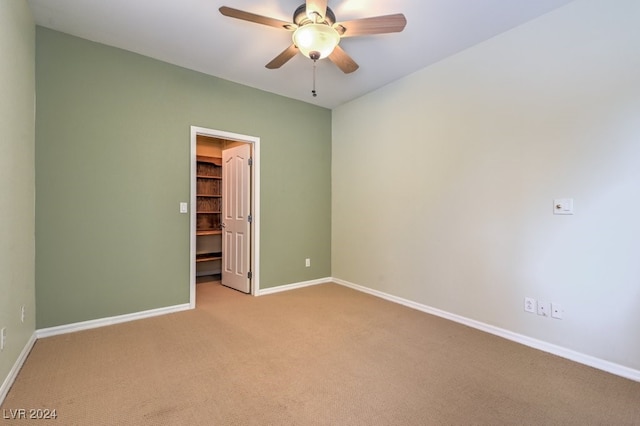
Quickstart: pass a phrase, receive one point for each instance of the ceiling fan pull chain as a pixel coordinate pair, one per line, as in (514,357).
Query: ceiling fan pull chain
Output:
(313,92)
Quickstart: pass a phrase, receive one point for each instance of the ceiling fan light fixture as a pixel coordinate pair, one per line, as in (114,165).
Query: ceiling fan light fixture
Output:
(316,41)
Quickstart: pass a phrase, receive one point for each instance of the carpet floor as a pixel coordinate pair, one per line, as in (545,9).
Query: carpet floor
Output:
(320,355)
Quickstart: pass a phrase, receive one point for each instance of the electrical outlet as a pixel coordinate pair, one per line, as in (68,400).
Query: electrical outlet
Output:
(22,313)
(556,310)
(3,338)
(530,304)
(307,262)
(544,308)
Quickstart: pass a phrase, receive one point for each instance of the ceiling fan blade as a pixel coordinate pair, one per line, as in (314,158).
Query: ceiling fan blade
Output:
(317,6)
(283,57)
(258,19)
(343,61)
(375,25)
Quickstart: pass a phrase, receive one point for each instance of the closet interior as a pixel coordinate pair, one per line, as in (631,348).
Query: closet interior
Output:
(209,206)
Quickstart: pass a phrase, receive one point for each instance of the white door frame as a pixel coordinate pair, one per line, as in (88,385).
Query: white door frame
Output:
(255,206)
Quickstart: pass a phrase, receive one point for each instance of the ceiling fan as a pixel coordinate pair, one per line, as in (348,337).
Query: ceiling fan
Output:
(316,33)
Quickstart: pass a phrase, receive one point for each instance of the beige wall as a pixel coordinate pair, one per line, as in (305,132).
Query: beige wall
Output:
(443,181)
(17,188)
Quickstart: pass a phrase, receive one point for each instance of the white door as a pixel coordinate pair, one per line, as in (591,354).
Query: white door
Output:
(236,226)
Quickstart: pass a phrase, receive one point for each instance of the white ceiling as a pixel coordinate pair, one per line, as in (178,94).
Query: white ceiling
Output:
(194,35)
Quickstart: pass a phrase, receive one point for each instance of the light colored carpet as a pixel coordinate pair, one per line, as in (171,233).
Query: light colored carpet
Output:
(321,355)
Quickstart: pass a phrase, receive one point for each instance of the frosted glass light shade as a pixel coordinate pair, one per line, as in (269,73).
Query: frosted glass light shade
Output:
(319,38)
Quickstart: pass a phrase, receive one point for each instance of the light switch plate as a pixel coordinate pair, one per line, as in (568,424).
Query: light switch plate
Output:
(183,208)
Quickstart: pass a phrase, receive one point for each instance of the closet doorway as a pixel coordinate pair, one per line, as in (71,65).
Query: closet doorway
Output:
(224,220)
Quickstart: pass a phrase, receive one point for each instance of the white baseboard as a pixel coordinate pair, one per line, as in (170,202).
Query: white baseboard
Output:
(102,322)
(13,373)
(287,287)
(610,367)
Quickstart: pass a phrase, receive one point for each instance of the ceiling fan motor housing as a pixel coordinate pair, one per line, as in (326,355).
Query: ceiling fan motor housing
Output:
(300,16)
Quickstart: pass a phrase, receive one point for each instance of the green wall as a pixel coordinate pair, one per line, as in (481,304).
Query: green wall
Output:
(17,246)
(112,164)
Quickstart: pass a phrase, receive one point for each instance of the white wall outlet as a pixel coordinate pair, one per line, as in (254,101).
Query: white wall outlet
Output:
(530,304)
(3,338)
(22,313)
(307,262)
(183,208)
(544,308)
(556,311)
